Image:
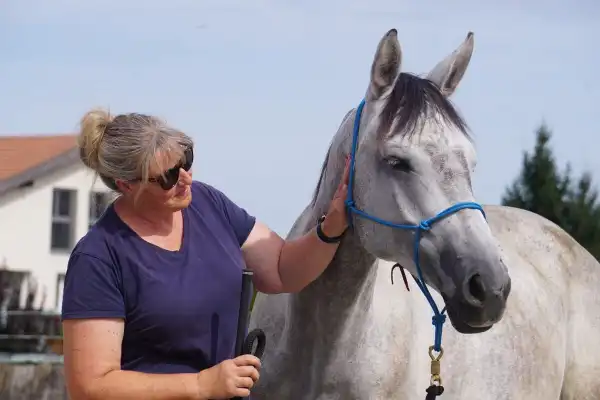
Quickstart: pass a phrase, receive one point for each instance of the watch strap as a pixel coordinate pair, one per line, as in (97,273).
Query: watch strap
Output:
(323,237)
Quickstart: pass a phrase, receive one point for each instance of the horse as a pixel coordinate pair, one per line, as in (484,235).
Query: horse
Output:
(522,296)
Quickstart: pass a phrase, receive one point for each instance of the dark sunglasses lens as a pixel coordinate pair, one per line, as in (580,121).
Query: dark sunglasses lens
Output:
(189,159)
(170,179)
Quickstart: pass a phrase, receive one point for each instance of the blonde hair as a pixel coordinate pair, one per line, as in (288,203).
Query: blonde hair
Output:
(125,147)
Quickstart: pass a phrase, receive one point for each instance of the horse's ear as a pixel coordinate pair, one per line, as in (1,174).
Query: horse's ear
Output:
(386,66)
(449,72)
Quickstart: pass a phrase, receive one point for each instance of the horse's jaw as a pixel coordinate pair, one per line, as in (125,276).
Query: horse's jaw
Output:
(458,322)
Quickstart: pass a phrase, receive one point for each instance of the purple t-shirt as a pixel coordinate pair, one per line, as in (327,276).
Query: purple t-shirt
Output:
(180,307)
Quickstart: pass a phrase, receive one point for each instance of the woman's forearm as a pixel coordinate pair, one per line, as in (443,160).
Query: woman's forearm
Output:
(131,385)
(302,260)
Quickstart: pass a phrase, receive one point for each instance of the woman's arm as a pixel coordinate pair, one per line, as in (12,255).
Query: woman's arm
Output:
(92,349)
(288,266)
(93,313)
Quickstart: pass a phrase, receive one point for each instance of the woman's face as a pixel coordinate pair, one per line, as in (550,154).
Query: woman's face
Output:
(168,188)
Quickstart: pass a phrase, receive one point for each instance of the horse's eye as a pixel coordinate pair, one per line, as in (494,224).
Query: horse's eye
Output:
(399,164)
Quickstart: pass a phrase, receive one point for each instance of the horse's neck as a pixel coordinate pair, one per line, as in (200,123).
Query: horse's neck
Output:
(342,293)
(346,287)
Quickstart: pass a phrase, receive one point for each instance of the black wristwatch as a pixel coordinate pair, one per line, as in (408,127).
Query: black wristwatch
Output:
(321,234)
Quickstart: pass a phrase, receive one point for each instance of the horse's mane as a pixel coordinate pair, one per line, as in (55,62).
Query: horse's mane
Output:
(324,165)
(411,102)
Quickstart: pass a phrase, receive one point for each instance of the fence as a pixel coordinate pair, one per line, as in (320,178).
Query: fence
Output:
(31,363)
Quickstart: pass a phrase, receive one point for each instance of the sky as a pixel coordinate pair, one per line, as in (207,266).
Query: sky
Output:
(262,86)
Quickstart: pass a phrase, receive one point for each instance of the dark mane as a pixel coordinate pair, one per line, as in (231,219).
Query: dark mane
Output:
(325,161)
(321,177)
(412,101)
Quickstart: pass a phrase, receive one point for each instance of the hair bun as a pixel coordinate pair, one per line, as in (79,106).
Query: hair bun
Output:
(93,126)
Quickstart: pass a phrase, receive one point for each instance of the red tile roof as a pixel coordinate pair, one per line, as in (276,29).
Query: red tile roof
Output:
(21,153)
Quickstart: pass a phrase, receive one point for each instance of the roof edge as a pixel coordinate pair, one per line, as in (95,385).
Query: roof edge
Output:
(64,159)
(36,135)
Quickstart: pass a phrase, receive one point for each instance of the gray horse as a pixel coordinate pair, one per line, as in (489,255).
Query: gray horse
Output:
(352,335)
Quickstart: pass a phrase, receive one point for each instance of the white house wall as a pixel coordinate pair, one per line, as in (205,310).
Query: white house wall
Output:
(25,226)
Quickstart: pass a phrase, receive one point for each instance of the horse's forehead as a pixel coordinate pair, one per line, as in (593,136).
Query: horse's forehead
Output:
(443,136)
(438,142)
(443,146)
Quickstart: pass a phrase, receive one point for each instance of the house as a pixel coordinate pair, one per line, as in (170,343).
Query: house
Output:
(48,201)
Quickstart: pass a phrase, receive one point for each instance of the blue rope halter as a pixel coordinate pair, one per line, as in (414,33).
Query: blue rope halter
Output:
(439,317)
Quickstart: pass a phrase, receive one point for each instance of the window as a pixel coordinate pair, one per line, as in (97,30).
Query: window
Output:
(60,285)
(63,219)
(98,203)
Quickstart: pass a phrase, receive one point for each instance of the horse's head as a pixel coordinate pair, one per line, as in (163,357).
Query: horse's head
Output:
(414,159)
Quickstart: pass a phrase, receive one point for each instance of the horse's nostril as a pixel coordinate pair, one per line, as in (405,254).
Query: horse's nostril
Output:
(476,288)
(506,289)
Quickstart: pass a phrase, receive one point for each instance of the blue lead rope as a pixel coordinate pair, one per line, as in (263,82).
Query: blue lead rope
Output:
(439,317)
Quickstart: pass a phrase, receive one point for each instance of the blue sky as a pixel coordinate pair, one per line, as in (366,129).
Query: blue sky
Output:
(263,85)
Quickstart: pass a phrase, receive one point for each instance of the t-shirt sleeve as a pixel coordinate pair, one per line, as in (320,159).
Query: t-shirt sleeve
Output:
(240,220)
(91,289)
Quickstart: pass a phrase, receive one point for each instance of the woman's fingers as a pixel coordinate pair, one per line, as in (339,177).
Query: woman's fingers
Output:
(248,371)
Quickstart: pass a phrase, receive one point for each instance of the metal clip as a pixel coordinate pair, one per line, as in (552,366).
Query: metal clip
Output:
(436,378)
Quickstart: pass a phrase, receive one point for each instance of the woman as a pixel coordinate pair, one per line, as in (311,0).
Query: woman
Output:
(151,293)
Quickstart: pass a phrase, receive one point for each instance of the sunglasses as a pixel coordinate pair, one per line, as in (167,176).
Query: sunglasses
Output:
(168,179)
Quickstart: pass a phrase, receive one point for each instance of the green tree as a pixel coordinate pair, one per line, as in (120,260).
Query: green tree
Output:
(543,189)
(582,214)
(540,187)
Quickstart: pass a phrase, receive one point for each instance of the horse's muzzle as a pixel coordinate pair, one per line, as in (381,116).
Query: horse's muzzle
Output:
(475,308)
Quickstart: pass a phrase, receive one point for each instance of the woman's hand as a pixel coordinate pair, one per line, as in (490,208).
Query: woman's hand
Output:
(230,378)
(336,220)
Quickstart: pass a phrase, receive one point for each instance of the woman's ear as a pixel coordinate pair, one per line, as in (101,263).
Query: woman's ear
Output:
(123,186)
